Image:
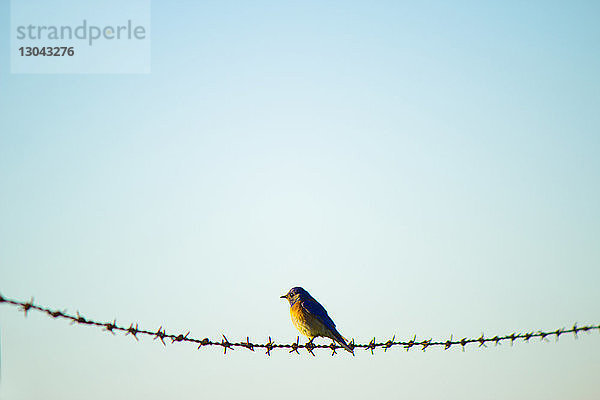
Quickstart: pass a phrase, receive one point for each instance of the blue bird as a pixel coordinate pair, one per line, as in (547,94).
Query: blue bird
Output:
(311,319)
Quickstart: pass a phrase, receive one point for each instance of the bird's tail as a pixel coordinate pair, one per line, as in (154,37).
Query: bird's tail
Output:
(341,340)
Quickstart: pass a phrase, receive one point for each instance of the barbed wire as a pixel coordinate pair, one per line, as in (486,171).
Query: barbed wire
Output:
(162,335)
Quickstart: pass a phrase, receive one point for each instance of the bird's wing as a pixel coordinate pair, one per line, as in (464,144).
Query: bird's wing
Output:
(316,309)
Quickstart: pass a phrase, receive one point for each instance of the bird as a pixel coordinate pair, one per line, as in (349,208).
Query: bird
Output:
(311,319)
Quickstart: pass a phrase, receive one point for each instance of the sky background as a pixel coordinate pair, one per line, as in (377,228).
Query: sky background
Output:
(427,169)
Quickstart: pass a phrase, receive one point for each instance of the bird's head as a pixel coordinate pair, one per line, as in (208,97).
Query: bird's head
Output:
(295,294)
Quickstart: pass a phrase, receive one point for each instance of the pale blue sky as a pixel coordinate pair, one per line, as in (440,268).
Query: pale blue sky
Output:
(423,169)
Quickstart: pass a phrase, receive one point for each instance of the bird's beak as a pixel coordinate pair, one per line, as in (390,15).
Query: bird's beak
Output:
(284,296)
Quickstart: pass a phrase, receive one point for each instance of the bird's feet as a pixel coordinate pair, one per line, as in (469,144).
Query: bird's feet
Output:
(310,346)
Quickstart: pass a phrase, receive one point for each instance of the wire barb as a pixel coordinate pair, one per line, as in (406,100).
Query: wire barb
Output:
(225,343)
(410,343)
(389,344)
(269,346)
(448,343)
(333,347)
(133,331)
(295,346)
(248,345)
(110,326)
(160,334)
(26,306)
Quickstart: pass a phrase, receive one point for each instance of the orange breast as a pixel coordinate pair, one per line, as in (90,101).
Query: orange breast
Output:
(306,323)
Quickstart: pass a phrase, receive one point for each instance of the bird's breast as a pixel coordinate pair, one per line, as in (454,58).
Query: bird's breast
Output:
(306,323)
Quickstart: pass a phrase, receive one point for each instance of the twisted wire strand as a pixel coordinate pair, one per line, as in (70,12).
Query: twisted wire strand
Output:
(164,337)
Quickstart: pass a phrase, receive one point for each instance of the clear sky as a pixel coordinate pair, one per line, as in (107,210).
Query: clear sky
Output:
(428,169)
